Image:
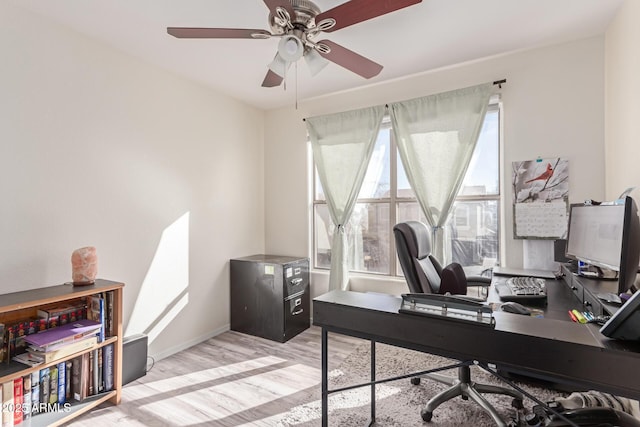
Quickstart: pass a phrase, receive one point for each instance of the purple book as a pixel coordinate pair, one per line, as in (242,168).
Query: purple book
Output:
(64,334)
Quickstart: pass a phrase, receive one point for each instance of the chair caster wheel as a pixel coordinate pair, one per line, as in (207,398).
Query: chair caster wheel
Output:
(517,403)
(426,415)
(415,380)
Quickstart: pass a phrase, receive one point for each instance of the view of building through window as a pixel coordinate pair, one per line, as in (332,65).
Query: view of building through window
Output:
(386,198)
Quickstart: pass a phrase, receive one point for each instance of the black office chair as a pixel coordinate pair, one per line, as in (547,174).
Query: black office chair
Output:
(424,274)
(422,270)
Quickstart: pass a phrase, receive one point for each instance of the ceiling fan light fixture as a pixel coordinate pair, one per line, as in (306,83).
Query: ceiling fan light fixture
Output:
(279,66)
(315,61)
(290,48)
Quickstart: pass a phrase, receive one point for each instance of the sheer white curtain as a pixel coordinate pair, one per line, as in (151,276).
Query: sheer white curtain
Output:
(436,136)
(342,145)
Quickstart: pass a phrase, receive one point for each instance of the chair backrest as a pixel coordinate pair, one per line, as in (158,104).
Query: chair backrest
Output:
(422,271)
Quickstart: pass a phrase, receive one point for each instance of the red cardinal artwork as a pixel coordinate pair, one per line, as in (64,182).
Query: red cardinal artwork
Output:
(544,175)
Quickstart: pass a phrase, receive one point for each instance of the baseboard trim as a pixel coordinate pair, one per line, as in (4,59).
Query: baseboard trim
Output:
(185,345)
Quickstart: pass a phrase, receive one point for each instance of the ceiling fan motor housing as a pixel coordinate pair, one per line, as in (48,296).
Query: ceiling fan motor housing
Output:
(304,18)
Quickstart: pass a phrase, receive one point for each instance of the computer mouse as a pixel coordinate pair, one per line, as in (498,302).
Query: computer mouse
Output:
(514,307)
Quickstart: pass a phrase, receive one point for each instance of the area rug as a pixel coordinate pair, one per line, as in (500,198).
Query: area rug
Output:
(398,403)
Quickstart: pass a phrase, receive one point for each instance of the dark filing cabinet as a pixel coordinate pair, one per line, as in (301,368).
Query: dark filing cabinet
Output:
(270,296)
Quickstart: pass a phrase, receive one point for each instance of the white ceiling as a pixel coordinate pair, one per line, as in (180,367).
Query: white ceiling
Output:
(429,35)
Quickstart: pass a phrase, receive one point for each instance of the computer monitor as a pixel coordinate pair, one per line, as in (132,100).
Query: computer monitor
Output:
(625,323)
(607,236)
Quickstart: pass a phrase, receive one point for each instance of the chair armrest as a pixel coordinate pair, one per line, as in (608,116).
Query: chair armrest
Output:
(478,281)
(480,284)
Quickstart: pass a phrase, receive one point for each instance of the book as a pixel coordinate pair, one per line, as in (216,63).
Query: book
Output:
(98,367)
(68,394)
(62,382)
(109,314)
(2,343)
(95,311)
(35,392)
(27,359)
(91,381)
(63,334)
(17,401)
(45,383)
(59,314)
(80,377)
(26,397)
(7,402)
(53,385)
(107,370)
(64,351)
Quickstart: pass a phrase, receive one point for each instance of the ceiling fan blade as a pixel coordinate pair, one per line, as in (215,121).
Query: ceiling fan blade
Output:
(350,60)
(271,79)
(217,33)
(285,4)
(355,11)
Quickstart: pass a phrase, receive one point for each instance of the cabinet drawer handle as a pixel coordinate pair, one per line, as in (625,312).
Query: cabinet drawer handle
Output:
(295,313)
(296,282)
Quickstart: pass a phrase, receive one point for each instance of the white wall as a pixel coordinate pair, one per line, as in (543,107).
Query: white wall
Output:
(622,114)
(162,175)
(553,106)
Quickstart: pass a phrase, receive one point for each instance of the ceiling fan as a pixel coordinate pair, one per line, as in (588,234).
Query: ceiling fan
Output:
(298,23)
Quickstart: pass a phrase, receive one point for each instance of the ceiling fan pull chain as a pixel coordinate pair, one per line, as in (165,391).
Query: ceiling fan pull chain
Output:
(284,78)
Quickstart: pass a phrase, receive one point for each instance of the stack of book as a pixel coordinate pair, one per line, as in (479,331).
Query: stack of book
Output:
(60,342)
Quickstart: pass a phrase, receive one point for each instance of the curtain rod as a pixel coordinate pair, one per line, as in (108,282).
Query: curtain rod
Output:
(497,82)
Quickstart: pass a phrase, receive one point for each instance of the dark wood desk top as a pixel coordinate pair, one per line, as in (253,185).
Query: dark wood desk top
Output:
(550,348)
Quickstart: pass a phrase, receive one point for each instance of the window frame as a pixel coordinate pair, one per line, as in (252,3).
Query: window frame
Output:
(393,201)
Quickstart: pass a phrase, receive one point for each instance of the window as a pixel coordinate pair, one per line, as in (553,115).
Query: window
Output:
(386,198)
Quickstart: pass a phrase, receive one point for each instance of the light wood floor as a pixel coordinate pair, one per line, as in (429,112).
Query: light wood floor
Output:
(229,380)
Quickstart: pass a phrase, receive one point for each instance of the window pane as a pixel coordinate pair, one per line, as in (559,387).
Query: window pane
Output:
(368,235)
(473,231)
(318,187)
(377,181)
(410,211)
(482,177)
(369,238)
(404,188)
(323,231)
(473,227)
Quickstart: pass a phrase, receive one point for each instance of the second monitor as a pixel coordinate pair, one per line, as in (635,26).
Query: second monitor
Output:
(607,236)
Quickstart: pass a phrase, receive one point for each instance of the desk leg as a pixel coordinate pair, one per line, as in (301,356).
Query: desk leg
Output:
(373,386)
(325,381)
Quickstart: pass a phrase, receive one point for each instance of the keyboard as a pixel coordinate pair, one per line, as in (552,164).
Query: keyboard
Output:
(522,289)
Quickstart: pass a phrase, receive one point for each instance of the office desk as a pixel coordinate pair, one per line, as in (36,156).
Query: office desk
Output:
(551,348)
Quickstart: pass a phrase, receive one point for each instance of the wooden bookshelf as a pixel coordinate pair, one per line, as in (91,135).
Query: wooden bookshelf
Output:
(19,305)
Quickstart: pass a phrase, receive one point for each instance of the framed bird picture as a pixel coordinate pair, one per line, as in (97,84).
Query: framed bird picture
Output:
(541,198)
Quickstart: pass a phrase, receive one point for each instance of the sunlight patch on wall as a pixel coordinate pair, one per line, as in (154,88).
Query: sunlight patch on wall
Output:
(163,293)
